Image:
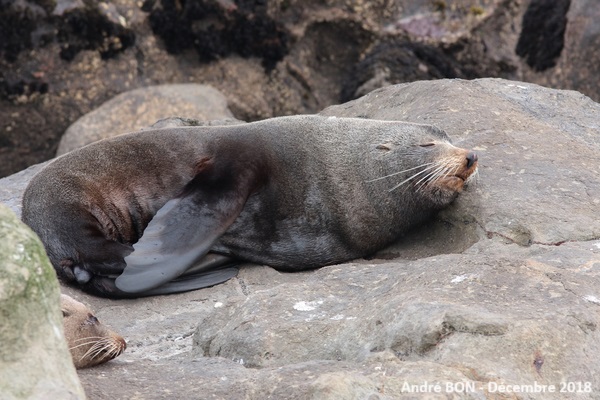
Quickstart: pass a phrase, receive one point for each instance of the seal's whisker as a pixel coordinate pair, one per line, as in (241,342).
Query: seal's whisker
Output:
(433,174)
(98,348)
(447,172)
(101,351)
(427,178)
(118,350)
(92,349)
(437,167)
(398,173)
(451,170)
(115,351)
(86,343)
(473,177)
(443,171)
(111,351)
(88,337)
(455,170)
(412,177)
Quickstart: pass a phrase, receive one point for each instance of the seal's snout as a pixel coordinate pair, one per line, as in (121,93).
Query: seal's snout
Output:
(471,159)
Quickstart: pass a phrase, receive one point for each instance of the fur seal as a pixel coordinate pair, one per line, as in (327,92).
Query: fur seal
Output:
(128,216)
(90,342)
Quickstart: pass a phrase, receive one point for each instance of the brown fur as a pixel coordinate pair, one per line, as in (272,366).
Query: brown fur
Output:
(90,342)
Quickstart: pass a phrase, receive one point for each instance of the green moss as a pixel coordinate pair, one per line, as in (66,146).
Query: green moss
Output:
(476,10)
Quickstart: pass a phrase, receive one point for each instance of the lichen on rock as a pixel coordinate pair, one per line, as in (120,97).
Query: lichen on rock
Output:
(34,359)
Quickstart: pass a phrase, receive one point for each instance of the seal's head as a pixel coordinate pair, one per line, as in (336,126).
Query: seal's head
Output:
(429,166)
(90,342)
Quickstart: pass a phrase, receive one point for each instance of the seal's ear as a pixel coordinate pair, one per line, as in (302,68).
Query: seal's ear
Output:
(182,232)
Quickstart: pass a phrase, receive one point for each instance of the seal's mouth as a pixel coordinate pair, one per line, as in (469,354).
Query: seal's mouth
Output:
(465,171)
(103,350)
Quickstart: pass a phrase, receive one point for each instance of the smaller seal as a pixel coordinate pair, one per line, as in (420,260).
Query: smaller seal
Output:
(90,342)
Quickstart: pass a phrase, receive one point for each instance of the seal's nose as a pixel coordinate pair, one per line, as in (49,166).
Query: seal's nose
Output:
(471,159)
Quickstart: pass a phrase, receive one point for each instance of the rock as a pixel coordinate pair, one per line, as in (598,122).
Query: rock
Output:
(542,33)
(499,289)
(381,377)
(578,64)
(399,60)
(482,311)
(139,108)
(13,186)
(34,359)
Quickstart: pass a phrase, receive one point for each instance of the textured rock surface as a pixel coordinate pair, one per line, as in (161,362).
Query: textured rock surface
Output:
(34,359)
(501,288)
(139,108)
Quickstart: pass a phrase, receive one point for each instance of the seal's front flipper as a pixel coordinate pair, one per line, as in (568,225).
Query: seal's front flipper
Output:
(180,233)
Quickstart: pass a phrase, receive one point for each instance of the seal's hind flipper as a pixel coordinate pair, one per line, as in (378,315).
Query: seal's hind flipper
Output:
(194,281)
(180,233)
(105,286)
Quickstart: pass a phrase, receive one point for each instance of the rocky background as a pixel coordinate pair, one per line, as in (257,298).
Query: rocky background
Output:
(60,59)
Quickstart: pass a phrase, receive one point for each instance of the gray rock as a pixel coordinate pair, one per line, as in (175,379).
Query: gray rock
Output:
(13,186)
(35,362)
(139,108)
(493,311)
(578,64)
(501,288)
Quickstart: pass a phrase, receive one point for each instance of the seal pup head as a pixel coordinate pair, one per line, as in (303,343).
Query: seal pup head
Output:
(90,342)
(429,167)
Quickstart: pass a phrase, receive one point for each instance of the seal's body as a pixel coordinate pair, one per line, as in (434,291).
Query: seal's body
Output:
(90,342)
(292,192)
